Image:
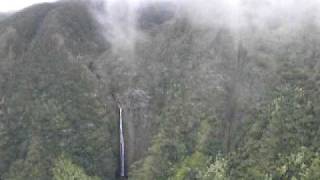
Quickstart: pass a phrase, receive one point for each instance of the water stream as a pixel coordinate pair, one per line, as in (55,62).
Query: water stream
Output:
(122,150)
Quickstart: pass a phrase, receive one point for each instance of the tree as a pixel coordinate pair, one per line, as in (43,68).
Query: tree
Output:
(64,169)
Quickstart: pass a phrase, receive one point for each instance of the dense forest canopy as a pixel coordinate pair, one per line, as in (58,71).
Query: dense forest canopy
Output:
(211,90)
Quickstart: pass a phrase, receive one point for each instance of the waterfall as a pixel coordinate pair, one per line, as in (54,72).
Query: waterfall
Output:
(122,150)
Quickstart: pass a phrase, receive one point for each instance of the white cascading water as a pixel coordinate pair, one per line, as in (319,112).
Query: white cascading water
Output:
(122,150)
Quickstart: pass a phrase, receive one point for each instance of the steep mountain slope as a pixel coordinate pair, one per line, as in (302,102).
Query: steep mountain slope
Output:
(45,52)
(53,98)
(203,98)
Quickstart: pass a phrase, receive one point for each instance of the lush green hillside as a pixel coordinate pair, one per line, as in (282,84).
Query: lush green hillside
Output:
(49,95)
(201,100)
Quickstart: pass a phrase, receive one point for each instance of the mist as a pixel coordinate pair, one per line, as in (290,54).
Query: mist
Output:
(122,14)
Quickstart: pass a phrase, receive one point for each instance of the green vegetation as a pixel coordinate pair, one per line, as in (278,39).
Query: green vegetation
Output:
(65,170)
(202,101)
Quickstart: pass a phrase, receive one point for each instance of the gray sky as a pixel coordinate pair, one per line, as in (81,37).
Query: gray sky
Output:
(14,5)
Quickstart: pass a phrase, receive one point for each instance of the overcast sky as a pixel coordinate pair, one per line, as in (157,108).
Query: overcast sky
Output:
(14,5)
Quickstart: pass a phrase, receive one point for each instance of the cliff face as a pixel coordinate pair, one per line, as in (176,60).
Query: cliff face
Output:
(200,92)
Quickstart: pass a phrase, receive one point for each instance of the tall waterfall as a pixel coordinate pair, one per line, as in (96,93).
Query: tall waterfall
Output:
(122,146)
